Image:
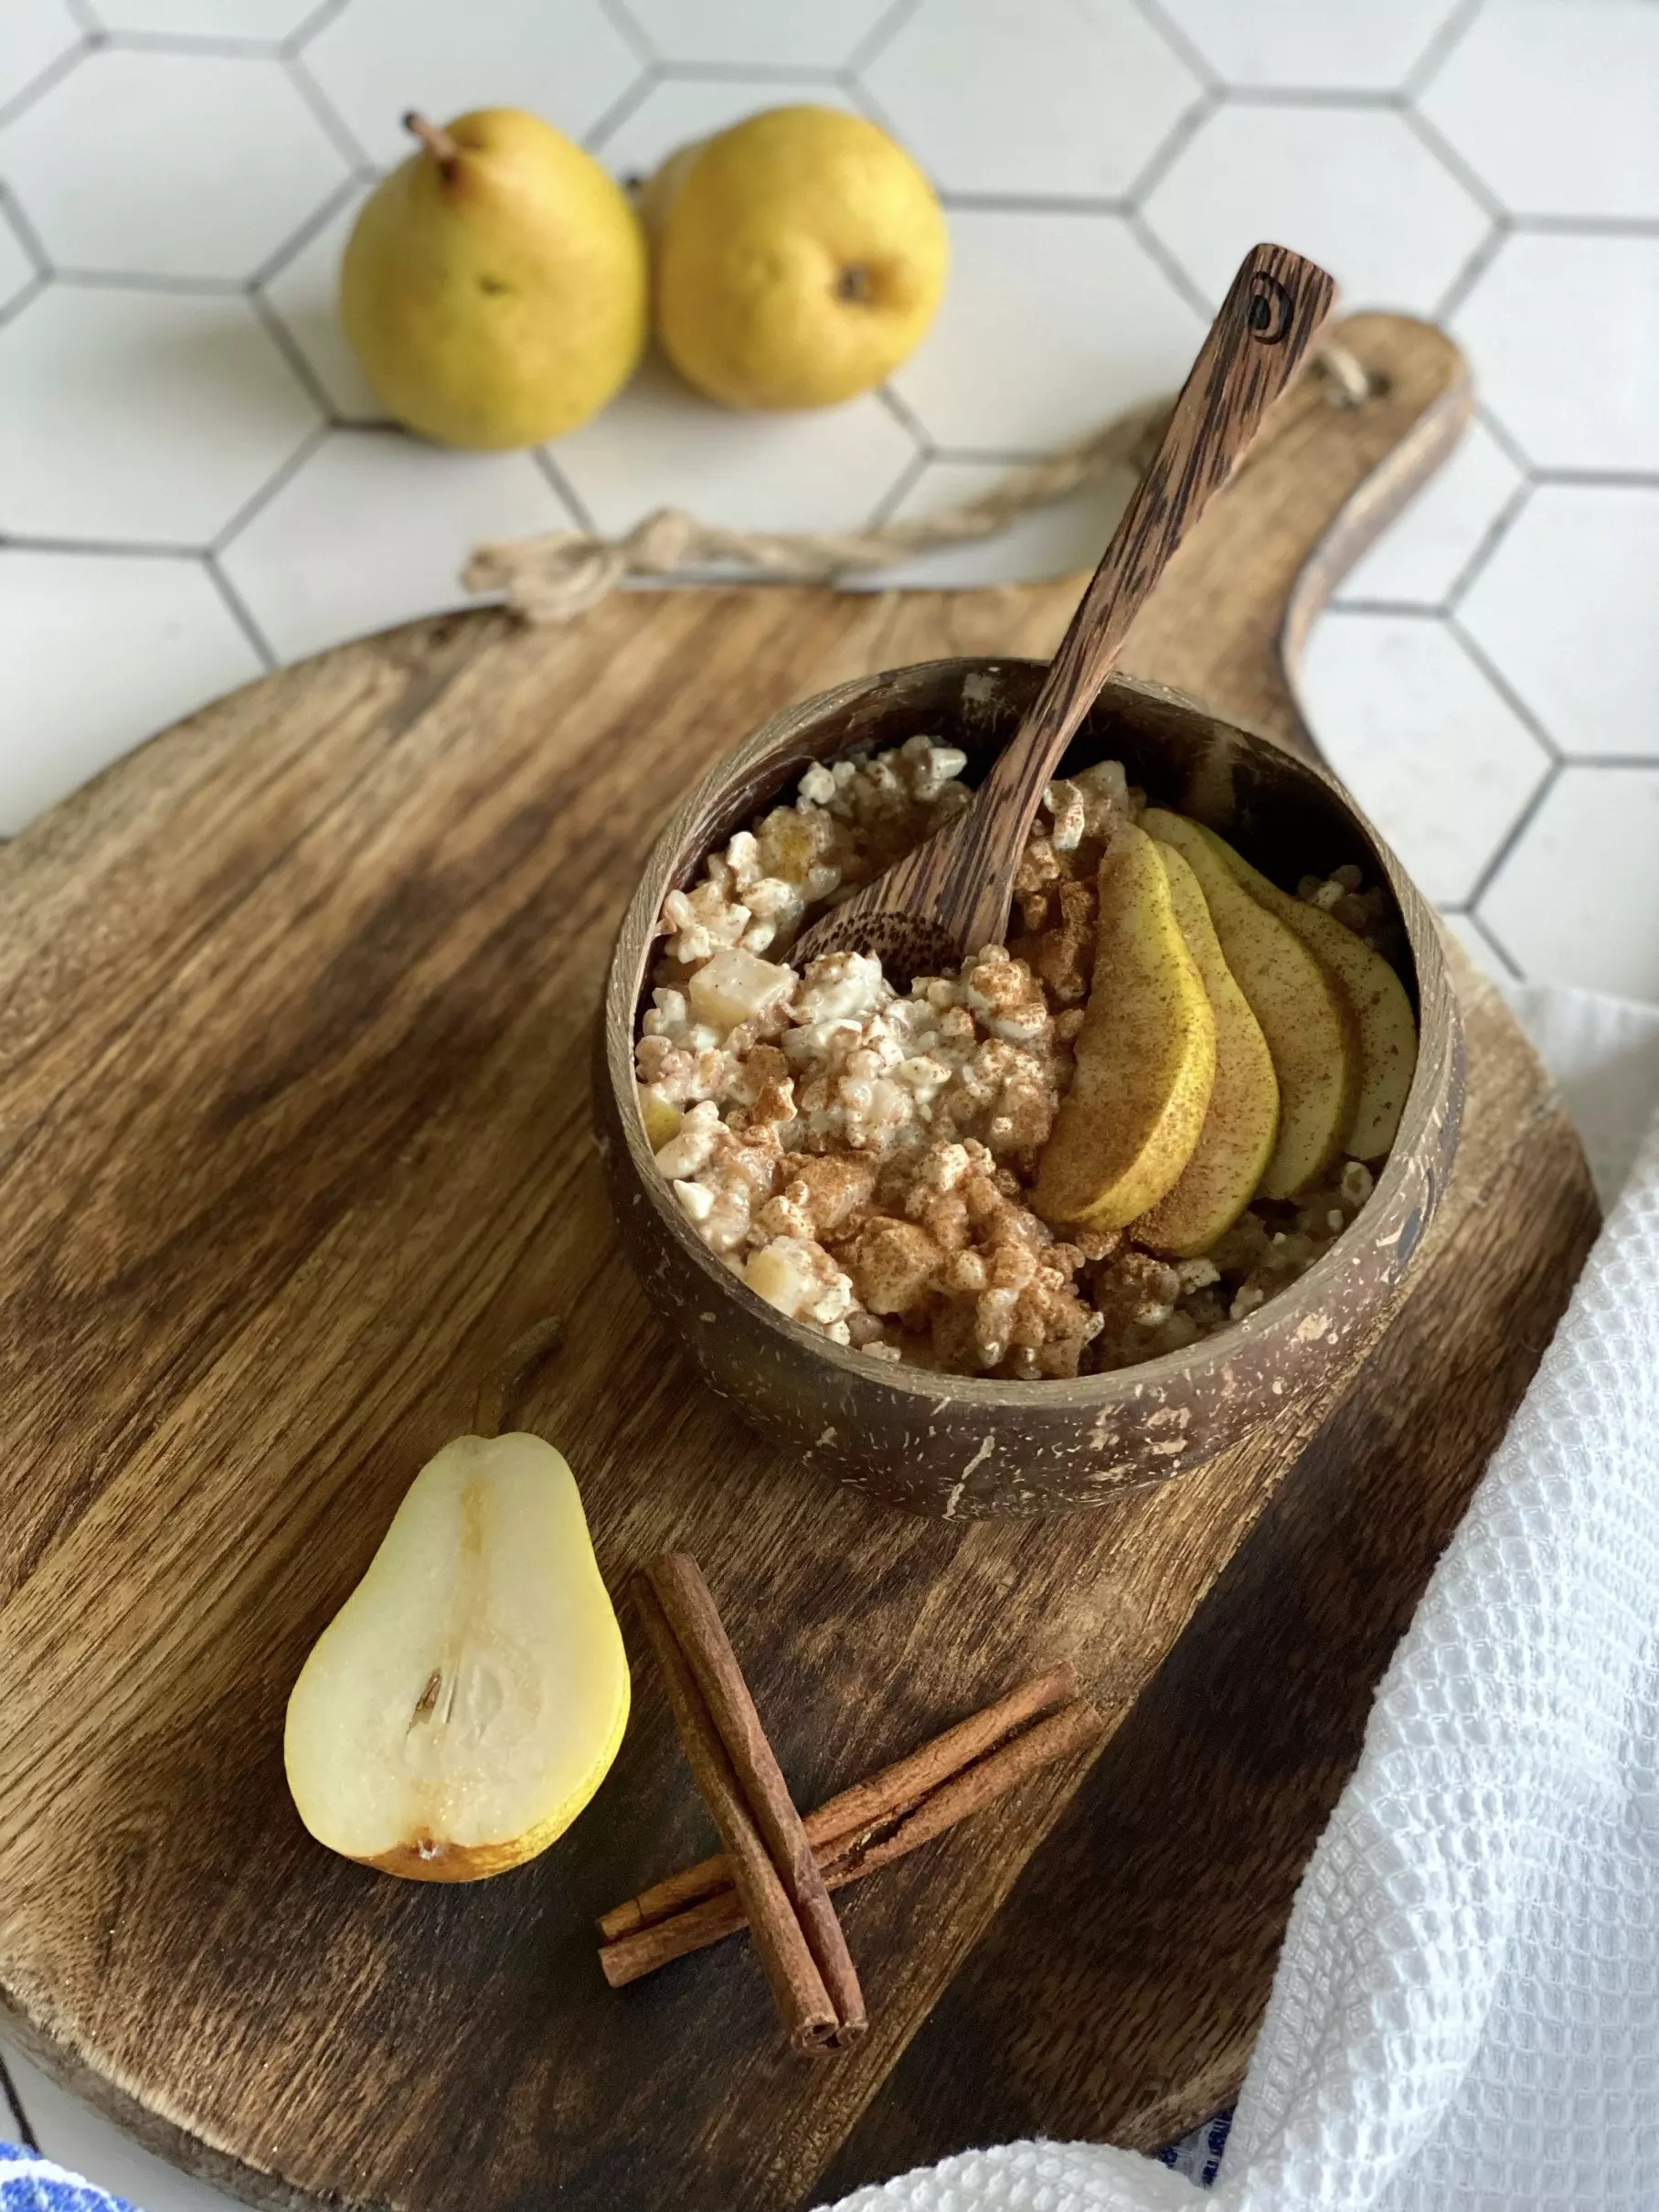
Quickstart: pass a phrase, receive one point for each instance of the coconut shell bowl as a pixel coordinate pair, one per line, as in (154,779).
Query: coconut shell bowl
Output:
(963,1445)
(1243,563)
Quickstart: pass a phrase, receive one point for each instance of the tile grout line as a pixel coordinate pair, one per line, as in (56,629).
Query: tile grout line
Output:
(99,549)
(1500,684)
(23,296)
(1443,44)
(191,42)
(265,313)
(1491,538)
(54,73)
(1436,143)
(230,531)
(241,613)
(1170,148)
(575,505)
(633,33)
(297,240)
(627,103)
(907,420)
(1473,269)
(1504,848)
(909,477)
(1161,257)
(307,29)
(880,36)
(1503,436)
(343,137)
(1478,921)
(1193,57)
(24,230)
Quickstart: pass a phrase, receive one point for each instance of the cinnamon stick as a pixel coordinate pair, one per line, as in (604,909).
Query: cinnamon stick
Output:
(676,1582)
(803,2002)
(879,1797)
(848,1857)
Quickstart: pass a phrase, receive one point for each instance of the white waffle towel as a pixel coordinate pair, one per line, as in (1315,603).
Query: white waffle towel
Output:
(1465,2016)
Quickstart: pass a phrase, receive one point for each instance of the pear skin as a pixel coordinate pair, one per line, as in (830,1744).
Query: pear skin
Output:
(1303,1016)
(468,1698)
(1376,999)
(1146,1055)
(798,257)
(1242,1127)
(501,297)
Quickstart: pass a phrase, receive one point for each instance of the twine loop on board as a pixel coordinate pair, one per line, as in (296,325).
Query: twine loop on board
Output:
(553,578)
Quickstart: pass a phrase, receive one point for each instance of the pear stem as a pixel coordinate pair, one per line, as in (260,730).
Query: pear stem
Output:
(507,1376)
(444,150)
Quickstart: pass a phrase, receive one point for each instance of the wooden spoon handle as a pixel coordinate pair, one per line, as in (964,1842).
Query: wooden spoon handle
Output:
(1272,309)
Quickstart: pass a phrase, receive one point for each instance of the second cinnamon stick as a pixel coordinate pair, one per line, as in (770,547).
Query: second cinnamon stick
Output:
(849,1857)
(879,1797)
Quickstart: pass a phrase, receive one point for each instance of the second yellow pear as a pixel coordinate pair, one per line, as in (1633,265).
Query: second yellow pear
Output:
(798,258)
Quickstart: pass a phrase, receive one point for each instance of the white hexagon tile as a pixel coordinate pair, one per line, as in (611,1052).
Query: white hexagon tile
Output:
(1388,218)
(1312,45)
(360,536)
(659,445)
(168,642)
(124,165)
(1053,323)
(140,417)
(1564,609)
(1556,123)
(1069,98)
(1562,332)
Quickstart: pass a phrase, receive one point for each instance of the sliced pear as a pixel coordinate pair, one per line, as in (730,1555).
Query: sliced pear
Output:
(468,1698)
(1146,1055)
(1242,1127)
(1303,1016)
(1376,999)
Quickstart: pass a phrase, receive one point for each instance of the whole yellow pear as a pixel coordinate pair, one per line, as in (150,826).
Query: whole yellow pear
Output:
(798,258)
(494,287)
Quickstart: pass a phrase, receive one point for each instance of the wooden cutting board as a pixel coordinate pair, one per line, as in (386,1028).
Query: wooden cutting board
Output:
(296,1009)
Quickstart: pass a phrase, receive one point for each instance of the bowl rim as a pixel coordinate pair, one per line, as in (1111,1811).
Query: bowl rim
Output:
(1080,1393)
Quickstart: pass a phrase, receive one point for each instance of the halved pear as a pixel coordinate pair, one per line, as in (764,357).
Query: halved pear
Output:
(1242,1127)
(468,1698)
(1146,1054)
(1303,1016)
(1376,999)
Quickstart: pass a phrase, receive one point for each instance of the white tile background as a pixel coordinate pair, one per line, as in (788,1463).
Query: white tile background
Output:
(195,484)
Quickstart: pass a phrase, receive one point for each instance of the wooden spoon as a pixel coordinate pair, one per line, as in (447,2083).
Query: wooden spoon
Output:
(951,895)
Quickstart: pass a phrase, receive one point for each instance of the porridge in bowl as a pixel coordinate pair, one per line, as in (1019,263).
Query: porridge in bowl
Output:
(870,1161)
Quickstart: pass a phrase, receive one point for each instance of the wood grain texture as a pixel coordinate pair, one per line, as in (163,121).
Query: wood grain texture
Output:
(294,1018)
(952,894)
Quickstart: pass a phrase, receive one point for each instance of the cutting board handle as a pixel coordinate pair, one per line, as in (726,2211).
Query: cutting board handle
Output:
(1229,619)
